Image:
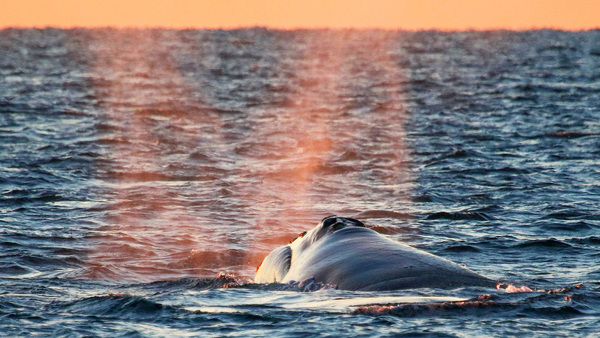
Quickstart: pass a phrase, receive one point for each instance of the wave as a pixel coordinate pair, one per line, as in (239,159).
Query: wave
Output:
(543,243)
(462,248)
(373,214)
(477,308)
(460,215)
(119,306)
(569,134)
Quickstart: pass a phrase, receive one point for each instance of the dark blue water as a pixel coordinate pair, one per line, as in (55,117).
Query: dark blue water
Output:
(138,165)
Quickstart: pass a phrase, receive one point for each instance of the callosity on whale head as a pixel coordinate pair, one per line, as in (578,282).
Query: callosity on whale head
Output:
(343,252)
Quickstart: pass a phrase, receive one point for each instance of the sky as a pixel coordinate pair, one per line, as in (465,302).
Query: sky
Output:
(291,14)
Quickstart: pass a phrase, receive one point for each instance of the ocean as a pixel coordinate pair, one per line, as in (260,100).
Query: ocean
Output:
(145,174)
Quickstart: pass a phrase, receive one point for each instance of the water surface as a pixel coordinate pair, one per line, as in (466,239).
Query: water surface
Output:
(138,165)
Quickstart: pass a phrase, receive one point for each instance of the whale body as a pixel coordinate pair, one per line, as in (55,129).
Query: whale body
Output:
(343,252)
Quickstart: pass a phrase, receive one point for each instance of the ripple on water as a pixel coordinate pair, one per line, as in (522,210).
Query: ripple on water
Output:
(166,157)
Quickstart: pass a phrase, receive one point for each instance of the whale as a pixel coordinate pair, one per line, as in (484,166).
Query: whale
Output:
(344,253)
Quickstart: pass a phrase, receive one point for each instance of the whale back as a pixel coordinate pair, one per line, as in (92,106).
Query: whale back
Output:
(361,259)
(343,252)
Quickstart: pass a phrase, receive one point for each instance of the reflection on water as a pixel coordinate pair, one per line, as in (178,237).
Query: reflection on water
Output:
(224,147)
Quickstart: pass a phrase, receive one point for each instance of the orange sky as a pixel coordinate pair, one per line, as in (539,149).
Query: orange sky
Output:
(288,14)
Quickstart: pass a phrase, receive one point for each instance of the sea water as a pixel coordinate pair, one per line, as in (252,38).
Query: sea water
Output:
(144,175)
